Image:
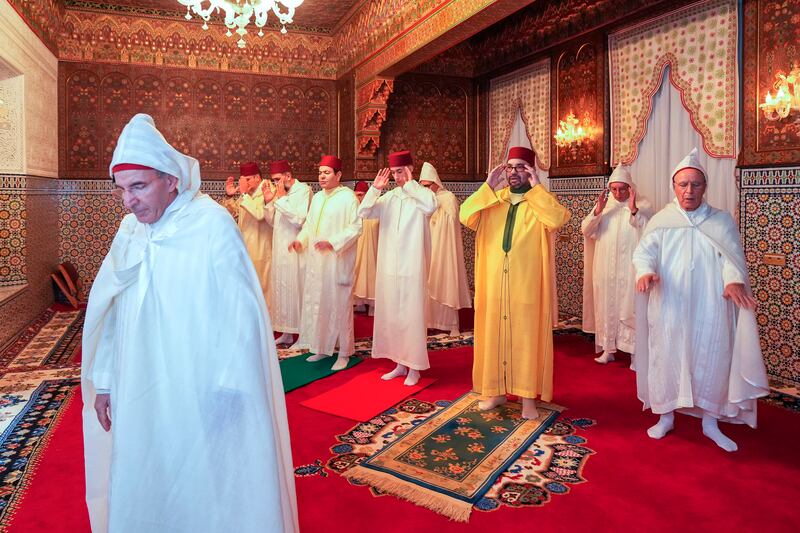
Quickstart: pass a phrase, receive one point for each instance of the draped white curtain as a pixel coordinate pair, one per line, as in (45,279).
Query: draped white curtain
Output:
(671,136)
(519,137)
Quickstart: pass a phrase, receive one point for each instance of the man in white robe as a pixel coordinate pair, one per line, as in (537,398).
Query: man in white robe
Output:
(328,242)
(697,346)
(184,417)
(366,258)
(611,231)
(286,209)
(448,287)
(401,282)
(256,228)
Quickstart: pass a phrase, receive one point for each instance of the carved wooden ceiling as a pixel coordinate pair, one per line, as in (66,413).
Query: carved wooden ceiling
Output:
(320,16)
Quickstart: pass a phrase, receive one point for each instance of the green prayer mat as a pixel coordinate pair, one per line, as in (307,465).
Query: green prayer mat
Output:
(296,372)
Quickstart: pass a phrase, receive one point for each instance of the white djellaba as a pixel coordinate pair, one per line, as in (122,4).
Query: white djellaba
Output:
(178,332)
(696,351)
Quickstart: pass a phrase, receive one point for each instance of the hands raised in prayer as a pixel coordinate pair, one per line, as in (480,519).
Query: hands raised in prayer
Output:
(496,177)
(296,246)
(280,191)
(323,246)
(268,191)
(102,406)
(230,186)
(382,179)
(646,282)
(739,295)
(632,201)
(602,200)
(533,179)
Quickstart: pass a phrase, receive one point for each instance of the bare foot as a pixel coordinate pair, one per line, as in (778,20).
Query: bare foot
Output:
(529,410)
(491,402)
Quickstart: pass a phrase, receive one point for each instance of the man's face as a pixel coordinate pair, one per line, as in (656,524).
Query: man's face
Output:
(429,185)
(360,196)
(516,173)
(145,194)
(328,178)
(248,184)
(399,174)
(620,191)
(689,185)
(285,176)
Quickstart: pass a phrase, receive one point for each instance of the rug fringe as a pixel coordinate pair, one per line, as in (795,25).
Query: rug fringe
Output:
(439,503)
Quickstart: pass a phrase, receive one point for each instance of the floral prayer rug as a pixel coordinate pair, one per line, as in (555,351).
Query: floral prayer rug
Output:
(363,347)
(449,461)
(546,470)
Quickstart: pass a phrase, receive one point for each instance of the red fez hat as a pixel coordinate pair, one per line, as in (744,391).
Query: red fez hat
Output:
(400,159)
(279,167)
(362,186)
(331,161)
(249,169)
(520,152)
(129,166)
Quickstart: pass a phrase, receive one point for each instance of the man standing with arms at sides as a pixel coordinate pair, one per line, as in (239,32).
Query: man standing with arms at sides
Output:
(184,417)
(366,258)
(513,322)
(611,232)
(401,283)
(697,345)
(256,228)
(287,208)
(328,242)
(448,289)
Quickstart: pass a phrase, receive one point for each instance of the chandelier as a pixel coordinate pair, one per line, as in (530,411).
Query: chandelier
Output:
(239,12)
(787,97)
(570,131)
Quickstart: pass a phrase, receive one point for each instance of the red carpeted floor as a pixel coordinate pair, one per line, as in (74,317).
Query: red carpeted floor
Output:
(681,483)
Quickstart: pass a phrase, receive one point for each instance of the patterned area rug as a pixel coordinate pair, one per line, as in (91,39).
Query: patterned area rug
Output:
(546,469)
(363,348)
(451,459)
(38,379)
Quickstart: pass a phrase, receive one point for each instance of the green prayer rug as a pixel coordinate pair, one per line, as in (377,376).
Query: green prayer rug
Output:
(296,372)
(449,461)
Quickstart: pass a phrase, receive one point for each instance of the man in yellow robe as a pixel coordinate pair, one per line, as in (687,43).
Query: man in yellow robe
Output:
(513,322)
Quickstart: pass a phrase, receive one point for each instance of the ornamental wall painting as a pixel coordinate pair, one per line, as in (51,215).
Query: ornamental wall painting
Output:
(222,119)
(771,48)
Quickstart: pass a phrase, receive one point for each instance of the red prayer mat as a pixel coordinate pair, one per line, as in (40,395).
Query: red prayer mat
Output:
(364,396)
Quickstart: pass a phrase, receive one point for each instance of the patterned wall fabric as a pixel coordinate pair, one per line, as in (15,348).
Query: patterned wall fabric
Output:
(699,42)
(12,231)
(432,118)
(770,208)
(528,90)
(221,119)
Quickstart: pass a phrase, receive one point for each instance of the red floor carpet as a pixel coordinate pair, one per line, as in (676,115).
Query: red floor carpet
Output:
(681,483)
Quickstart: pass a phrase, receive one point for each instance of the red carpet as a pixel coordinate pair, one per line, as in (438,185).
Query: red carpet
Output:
(364,396)
(681,483)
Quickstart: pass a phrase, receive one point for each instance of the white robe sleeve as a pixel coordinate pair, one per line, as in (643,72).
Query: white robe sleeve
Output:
(103,364)
(371,204)
(349,235)
(591,224)
(294,210)
(254,206)
(422,196)
(645,257)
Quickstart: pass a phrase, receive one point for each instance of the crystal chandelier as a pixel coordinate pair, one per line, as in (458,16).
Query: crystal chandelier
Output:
(239,12)
(570,131)
(787,97)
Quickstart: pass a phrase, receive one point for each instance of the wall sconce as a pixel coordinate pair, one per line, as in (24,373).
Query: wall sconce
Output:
(570,131)
(786,99)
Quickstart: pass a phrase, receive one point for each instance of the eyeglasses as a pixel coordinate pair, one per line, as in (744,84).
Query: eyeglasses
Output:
(519,168)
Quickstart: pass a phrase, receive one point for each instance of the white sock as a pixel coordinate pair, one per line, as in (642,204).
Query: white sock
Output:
(317,357)
(711,430)
(664,426)
(455,332)
(607,357)
(285,338)
(370,310)
(412,378)
(632,363)
(491,403)
(398,371)
(341,362)
(529,410)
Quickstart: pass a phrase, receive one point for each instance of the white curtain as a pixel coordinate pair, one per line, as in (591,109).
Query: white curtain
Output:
(519,137)
(671,136)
